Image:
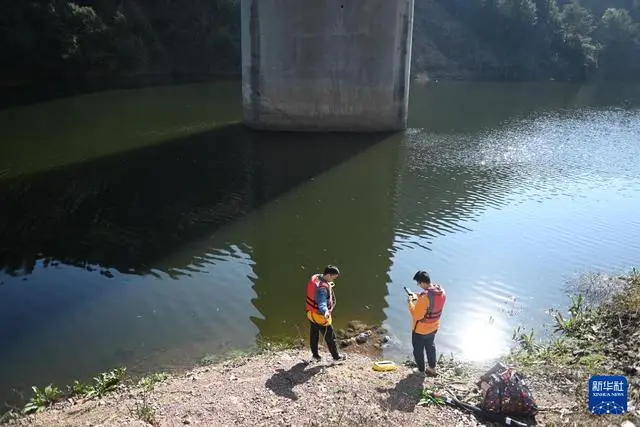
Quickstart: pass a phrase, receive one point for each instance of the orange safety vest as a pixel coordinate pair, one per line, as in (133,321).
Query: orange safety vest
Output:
(314,282)
(431,320)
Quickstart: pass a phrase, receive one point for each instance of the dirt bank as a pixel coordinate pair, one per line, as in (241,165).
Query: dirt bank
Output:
(284,387)
(281,388)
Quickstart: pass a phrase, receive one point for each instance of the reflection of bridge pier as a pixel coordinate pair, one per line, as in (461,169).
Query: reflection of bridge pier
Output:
(138,217)
(345,216)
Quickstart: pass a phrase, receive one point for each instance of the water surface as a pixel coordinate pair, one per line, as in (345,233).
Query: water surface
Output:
(140,228)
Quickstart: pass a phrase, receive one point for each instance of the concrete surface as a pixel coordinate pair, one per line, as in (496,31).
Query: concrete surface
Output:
(326,65)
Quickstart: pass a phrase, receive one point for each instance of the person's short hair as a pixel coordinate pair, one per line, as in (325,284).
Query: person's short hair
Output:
(331,269)
(422,277)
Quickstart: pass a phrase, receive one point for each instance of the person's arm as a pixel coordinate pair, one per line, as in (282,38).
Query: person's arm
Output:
(418,308)
(321,299)
(411,301)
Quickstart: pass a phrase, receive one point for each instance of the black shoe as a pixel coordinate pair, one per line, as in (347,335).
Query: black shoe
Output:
(340,358)
(317,357)
(418,371)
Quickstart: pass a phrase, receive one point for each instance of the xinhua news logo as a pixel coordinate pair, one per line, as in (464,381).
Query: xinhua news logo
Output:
(608,394)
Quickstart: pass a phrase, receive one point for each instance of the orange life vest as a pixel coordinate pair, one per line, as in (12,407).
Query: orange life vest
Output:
(437,298)
(314,282)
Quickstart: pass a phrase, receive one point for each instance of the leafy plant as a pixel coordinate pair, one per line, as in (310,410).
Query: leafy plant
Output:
(145,412)
(105,383)
(431,397)
(559,345)
(526,341)
(576,316)
(150,381)
(42,398)
(78,388)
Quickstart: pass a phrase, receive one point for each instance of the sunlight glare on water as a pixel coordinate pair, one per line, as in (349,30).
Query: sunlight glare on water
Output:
(525,204)
(480,339)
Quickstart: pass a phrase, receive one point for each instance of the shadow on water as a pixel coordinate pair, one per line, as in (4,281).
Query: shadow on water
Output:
(126,211)
(32,93)
(345,218)
(130,213)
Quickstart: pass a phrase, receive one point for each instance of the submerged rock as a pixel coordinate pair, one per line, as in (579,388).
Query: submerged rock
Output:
(357,326)
(368,337)
(362,338)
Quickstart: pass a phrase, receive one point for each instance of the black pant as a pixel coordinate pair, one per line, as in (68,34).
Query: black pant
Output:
(422,344)
(329,338)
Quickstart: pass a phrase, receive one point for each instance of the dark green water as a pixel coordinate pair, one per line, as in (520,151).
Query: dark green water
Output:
(144,228)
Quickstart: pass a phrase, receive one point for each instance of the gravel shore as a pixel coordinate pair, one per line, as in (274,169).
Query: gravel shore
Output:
(287,388)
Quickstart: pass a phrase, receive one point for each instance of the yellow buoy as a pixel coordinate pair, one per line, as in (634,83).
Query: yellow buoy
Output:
(384,365)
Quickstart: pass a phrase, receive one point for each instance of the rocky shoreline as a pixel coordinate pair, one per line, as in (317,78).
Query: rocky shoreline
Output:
(599,335)
(279,386)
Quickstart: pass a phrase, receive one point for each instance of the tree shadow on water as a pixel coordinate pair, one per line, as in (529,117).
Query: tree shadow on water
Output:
(283,382)
(404,396)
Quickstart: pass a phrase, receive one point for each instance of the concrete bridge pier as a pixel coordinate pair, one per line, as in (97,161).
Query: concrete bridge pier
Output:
(326,65)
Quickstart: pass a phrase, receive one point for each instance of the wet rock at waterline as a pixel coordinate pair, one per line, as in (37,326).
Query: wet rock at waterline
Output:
(362,338)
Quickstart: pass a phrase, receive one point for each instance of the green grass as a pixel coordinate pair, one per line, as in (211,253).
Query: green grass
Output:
(630,300)
(149,382)
(596,321)
(104,383)
(577,335)
(280,344)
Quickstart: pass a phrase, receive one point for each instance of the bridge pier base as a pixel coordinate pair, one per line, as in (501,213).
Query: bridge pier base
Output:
(326,65)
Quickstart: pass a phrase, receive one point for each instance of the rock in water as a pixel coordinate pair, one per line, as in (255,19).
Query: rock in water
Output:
(362,338)
(357,326)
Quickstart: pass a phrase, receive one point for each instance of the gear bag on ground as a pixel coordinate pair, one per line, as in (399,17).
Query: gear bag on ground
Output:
(504,393)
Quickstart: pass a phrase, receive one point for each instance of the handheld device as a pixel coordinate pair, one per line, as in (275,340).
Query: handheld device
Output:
(410,294)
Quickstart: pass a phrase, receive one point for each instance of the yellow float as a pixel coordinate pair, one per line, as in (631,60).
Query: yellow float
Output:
(384,365)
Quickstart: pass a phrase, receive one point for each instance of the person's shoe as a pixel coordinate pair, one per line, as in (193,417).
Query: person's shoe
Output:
(417,371)
(431,372)
(340,358)
(317,357)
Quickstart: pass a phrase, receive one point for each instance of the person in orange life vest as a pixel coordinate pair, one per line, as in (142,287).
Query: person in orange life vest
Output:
(425,309)
(320,303)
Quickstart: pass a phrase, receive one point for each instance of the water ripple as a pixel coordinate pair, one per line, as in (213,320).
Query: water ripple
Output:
(527,201)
